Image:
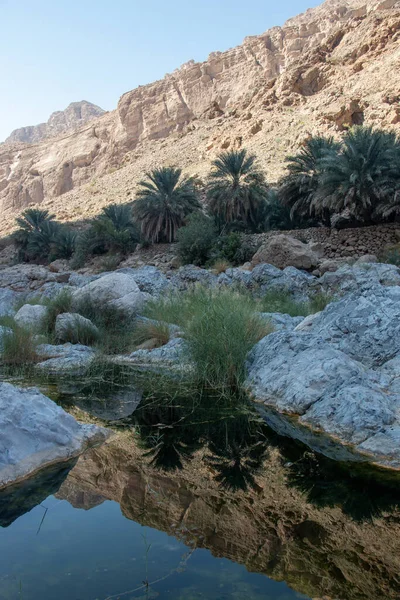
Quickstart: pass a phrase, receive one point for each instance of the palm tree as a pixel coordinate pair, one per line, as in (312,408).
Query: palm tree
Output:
(277,214)
(362,177)
(164,201)
(297,189)
(113,230)
(236,189)
(33,238)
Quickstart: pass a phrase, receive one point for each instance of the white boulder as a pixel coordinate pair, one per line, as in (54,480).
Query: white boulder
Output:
(30,315)
(36,433)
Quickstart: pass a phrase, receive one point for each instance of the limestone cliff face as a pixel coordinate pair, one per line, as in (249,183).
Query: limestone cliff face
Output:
(320,552)
(333,66)
(73,117)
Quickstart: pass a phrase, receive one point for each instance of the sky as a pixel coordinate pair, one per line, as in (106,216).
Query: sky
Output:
(54,52)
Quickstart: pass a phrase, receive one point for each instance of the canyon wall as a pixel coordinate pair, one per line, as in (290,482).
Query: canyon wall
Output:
(332,67)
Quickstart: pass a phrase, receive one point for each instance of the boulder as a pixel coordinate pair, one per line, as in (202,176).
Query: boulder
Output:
(65,359)
(358,278)
(31,315)
(8,299)
(285,251)
(149,279)
(172,356)
(116,289)
(36,433)
(67,323)
(281,322)
(339,372)
(367,258)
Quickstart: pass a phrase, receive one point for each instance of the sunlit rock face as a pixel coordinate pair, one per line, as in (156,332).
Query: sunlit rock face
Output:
(275,530)
(332,67)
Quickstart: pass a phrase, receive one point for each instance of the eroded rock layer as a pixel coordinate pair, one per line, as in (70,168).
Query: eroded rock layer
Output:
(331,67)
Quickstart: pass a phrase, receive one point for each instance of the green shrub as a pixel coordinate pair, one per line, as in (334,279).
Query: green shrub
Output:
(19,346)
(113,231)
(391,256)
(196,240)
(232,248)
(40,238)
(220,333)
(318,302)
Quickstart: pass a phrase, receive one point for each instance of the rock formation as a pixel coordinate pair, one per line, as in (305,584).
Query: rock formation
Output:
(329,68)
(36,433)
(62,121)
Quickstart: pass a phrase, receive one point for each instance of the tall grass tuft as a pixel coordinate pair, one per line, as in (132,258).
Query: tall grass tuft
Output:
(116,328)
(56,306)
(282,302)
(220,334)
(220,326)
(18,345)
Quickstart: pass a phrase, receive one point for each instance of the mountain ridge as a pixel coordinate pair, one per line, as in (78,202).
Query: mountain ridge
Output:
(71,118)
(334,66)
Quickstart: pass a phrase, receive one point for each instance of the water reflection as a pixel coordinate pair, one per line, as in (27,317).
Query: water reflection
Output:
(209,472)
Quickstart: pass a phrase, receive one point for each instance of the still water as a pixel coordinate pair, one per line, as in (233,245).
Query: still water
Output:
(198,499)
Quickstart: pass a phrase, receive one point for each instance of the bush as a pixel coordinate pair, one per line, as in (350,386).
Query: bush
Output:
(232,248)
(282,302)
(112,231)
(220,334)
(196,240)
(40,238)
(391,256)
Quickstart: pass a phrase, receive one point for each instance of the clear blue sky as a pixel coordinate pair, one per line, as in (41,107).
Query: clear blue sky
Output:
(54,52)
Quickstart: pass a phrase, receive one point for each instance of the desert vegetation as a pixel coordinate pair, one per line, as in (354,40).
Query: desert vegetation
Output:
(352,181)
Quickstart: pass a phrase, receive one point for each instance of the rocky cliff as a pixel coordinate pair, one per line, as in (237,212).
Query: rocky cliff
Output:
(73,117)
(331,67)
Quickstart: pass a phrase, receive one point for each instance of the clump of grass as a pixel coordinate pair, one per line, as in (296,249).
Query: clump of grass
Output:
(18,344)
(56,306)
(220,334)
(220,266)
(158,331)
(175,308)
(116,328)
(318,302)
(110,262)
(282,302)
(78,332)
(220,326)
